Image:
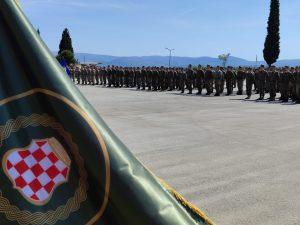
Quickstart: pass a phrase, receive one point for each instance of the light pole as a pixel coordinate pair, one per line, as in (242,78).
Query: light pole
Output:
(256,62)
(170,56)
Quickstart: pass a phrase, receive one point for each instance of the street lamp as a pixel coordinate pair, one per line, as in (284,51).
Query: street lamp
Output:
(170,56)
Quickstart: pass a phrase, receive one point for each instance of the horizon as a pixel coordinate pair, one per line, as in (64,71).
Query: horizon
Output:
(142,28)
(204,56)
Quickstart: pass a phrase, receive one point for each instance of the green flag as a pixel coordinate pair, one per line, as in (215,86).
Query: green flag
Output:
(61,164)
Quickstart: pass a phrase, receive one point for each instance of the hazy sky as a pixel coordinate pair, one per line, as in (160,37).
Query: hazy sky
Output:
(146,27)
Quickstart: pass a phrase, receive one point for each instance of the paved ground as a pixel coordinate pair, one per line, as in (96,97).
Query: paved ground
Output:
(239,161)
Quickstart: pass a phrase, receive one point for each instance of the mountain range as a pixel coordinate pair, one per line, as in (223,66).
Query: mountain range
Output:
(176,61)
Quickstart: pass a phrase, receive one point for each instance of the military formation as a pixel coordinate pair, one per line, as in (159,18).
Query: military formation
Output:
(283,83)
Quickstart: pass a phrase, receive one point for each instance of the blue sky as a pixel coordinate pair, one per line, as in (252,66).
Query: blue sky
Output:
(146,27)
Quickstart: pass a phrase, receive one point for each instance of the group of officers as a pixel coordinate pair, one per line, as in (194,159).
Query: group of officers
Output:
(285,81)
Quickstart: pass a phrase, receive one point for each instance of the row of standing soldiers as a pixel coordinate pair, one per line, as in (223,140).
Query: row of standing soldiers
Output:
(285,81)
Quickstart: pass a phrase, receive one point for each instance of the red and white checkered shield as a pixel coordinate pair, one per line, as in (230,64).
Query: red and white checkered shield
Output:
(38,169)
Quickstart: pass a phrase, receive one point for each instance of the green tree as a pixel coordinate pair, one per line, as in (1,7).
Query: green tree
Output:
(224,59)
(66,55)
(66,42)
(272,43)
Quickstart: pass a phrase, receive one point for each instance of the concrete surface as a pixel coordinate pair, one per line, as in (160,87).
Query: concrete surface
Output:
(239,161)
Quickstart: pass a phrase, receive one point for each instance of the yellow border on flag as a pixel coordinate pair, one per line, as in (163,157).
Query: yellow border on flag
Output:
(17,2)
(186,203)
(194,209)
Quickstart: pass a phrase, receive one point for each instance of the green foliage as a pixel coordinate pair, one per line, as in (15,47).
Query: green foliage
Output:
(224,59)
(66,42)
(66,55)
(272,43)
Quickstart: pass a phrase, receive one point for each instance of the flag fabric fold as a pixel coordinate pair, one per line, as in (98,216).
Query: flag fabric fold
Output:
(64,65)
(61,164)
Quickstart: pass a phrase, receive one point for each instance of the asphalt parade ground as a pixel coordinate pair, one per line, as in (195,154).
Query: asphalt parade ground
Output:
(238,161)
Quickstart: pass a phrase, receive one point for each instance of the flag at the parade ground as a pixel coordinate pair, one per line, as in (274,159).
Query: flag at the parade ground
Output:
(61,164)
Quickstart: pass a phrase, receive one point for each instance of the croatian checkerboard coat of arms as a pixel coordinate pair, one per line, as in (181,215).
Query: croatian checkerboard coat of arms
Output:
(37,170)
(50,173)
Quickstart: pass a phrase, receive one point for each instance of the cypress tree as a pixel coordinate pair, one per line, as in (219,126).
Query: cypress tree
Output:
(66,42)
(272,43)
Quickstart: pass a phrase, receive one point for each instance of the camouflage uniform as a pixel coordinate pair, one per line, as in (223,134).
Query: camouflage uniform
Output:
(218,74)
(199,80)
(229,78)
(250,79)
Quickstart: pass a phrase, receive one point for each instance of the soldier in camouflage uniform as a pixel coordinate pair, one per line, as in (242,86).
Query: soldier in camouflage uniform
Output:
(284,81)
(176,79)
(199,79)
(138,77)
(143,78)
(72,71)
(93,75)
(250,80)
(149,78)
(155,75)
(262,79)
(182,79)
(122,77)
(297,85)
(89,74)
(190,73)
(109,76)
(218,75)
(229,78)
(84,75)
(209,80)
(240,77)
(223,80)
(77,74)
(116,80)
(272,79)
(293,84)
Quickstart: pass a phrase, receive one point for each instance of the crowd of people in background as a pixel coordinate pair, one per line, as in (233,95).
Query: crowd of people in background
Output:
(284,81)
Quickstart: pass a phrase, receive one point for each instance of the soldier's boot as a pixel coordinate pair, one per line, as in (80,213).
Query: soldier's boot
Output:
(190,89)
(199,91)
(285,99)
(207,92)
(217,92)
(260,97)
(229,91)
(182,89)
(272,96)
